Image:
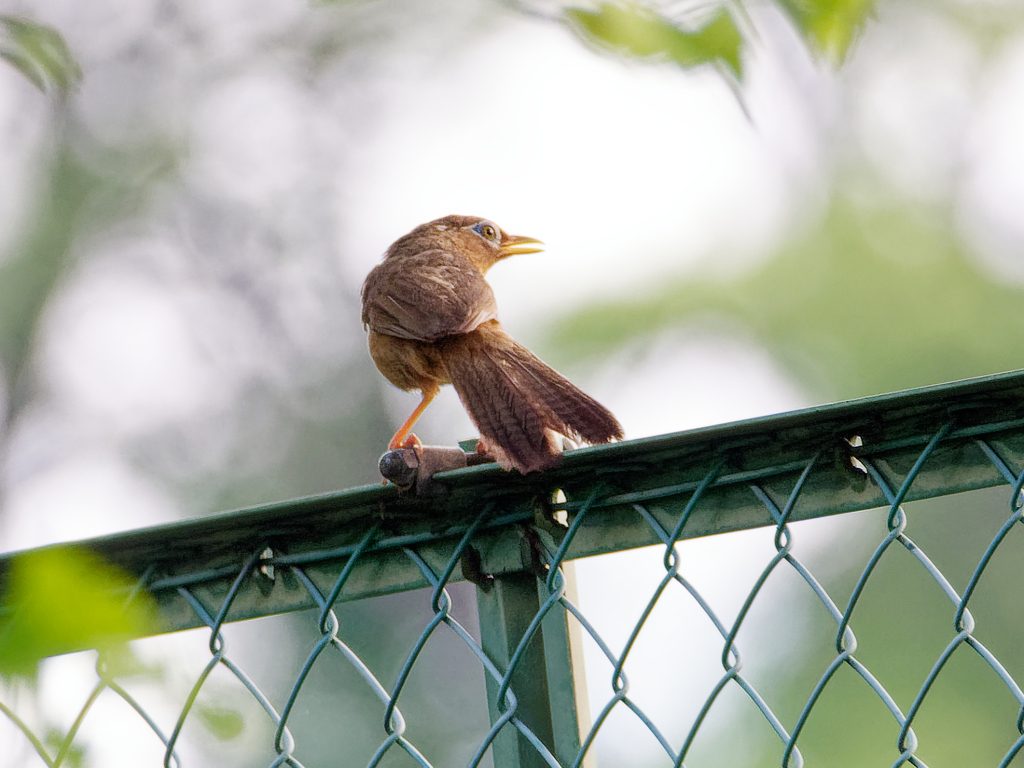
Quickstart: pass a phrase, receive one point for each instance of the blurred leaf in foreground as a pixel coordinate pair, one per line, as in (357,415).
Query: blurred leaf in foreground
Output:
(40,53)
(64,599)
(74,757)
(638,32)
(224,723)
(830,26)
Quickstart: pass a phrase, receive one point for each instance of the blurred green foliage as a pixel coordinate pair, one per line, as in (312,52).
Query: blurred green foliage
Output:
(74,755)
(223,722)
(827,27)
(40,53)
(29,274)
(636,31)
(66,599)
(77,197)
(880,296)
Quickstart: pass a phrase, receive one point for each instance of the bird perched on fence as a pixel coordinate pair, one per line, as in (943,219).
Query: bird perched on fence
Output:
(433,320)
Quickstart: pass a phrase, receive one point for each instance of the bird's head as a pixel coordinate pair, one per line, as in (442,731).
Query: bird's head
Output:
(480,240)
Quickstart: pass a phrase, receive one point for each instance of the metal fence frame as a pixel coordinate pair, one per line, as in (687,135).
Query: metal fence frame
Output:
(512,535)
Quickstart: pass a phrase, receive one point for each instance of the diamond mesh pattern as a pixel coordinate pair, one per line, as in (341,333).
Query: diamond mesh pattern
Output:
(528,668)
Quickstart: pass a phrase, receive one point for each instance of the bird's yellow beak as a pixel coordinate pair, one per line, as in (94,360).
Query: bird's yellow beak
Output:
(513,245)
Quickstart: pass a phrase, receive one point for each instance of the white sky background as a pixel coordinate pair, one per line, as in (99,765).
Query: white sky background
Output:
(624,170)
(628,172)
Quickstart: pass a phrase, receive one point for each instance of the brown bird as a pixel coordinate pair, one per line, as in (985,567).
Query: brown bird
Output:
(433,320)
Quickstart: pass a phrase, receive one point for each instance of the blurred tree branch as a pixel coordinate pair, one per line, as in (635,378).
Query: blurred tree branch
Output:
(75,199)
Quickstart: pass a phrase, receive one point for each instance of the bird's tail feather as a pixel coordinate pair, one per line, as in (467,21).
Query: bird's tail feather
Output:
(519,403)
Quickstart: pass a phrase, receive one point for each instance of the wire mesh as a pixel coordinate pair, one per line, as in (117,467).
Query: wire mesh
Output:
(513,538)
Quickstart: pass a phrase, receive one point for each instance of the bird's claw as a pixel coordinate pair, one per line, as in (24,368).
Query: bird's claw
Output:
(412,467)
(409,441)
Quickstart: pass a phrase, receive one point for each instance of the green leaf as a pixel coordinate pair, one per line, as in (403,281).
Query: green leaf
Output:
(830,26)
(222,722)
(40,53)
(65,599)
(637,32)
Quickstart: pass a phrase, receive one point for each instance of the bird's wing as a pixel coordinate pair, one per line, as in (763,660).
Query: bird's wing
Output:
(426,296)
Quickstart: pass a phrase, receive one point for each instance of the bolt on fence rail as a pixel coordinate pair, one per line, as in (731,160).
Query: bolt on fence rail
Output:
(514,537)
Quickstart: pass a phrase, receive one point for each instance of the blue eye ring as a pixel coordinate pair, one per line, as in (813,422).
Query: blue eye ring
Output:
(486,230)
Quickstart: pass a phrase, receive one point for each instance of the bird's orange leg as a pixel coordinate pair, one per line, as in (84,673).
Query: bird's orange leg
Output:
(403,437)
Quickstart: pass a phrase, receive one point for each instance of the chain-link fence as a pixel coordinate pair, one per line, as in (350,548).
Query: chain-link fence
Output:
(446,631)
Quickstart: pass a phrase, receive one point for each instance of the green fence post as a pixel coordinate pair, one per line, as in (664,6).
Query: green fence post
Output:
(548,693)
(506,610)
(567,682)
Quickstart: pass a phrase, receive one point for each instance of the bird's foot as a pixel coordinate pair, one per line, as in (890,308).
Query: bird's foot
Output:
(412,468)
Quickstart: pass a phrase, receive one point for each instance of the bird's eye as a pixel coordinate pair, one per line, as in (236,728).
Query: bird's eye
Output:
(486,230)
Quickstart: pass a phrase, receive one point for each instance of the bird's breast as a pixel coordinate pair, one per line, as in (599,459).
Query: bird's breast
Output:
(406,363)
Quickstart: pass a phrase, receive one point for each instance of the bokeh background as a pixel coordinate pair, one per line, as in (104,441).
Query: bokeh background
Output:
(804,208)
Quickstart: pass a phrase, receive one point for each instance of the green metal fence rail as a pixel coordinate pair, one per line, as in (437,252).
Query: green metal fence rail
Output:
(512,535)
